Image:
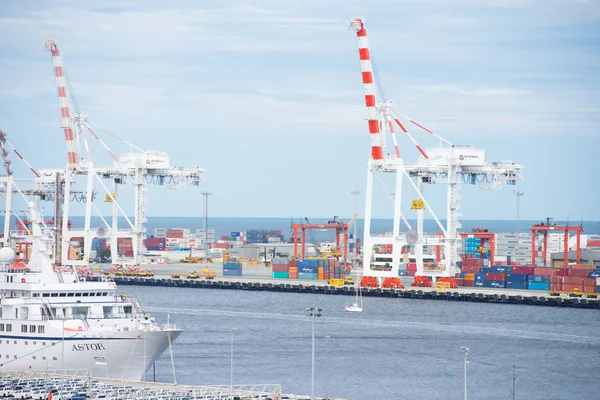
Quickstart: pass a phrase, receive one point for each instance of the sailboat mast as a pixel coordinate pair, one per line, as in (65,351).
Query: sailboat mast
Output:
(514,382)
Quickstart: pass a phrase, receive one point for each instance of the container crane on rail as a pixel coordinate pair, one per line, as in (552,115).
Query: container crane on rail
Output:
(449,165)
(26,188)
(139,168)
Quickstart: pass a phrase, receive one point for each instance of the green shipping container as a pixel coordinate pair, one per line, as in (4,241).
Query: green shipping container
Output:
(280,275)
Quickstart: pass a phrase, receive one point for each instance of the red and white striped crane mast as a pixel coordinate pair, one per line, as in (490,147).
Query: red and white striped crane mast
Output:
(378,162)
(71,136)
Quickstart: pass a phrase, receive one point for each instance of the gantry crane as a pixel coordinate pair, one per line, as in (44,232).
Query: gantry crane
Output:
(449,165)
(30,189)
(139,168)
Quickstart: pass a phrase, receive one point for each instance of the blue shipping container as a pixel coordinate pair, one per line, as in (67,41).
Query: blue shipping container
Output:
(310,269)
(232,266)
(539,279)
(479,283)
(479,277)
(538,286)
(516,285)
(517,277)
(232,272)
(304,263)
(502,268)
(307,275)
(494,284)
(235,234)
(280,275)
(595,273)
(402,272)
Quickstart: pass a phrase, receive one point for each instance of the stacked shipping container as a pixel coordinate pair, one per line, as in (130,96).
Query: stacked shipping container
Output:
(321,269)
(583,278)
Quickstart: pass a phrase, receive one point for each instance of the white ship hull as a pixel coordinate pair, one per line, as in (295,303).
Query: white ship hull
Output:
(121,355)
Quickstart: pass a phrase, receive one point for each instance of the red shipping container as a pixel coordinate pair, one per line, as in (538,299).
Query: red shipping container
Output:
(411,266)
(556,280)
(567,287)
(293,263)
(468,283)
(470,269)
(572,280)
(523,270)
(221,245)
(411,273)
(582,266)
(589,282)
(562,271)
(589,289)
(593,243)
(175,233)
(280,268)
(541,271)
(556,287)
(582,273)
(495,276)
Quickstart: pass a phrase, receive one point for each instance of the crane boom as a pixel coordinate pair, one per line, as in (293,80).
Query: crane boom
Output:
(65,105)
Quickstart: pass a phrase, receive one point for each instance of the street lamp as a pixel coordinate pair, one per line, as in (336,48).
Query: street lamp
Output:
(206,194)
(314,313)
(327,339)
(465,351)
(232,331)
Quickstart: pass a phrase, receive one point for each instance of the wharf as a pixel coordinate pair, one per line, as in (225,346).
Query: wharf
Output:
(69,383)
(463,294)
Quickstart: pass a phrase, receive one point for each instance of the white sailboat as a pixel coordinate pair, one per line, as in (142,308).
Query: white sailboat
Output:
(357,305)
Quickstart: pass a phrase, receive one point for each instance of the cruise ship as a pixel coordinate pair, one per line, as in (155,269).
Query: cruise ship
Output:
(54,320)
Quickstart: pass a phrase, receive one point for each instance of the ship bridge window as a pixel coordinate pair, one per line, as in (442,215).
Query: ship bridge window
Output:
(77,294)
(8,327)
(92,294)
(85,294)
(99,294)
(23,328)
(41,329)
(31,328)
(105,294)
(35,295)
(45,294)
(62,295)
(1,327)
(54,295)
(70,294)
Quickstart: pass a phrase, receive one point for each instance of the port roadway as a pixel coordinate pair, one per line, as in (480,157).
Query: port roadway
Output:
(258,278)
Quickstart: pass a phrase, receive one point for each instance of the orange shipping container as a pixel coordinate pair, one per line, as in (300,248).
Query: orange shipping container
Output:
(320,276)
(469,277)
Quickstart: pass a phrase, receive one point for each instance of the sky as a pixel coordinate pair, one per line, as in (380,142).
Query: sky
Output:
(267,96)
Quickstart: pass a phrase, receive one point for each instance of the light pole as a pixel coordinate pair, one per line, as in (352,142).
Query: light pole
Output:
(206,194)
(232,331)
(314,313)
(327,339)
(518,194)
(465,351)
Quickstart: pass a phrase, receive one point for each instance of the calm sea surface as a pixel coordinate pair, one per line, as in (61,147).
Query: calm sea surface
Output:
(395,349)
(223,226)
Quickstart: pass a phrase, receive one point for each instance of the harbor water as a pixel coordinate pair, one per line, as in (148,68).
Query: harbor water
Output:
(394,349)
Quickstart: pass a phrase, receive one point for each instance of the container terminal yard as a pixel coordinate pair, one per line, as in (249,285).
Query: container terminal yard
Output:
(549,264)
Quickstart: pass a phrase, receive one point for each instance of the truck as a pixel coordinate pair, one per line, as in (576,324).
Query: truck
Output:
(339,282)
(208,273)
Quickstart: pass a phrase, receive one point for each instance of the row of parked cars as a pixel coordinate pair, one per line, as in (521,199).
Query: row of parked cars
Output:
(19,388)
